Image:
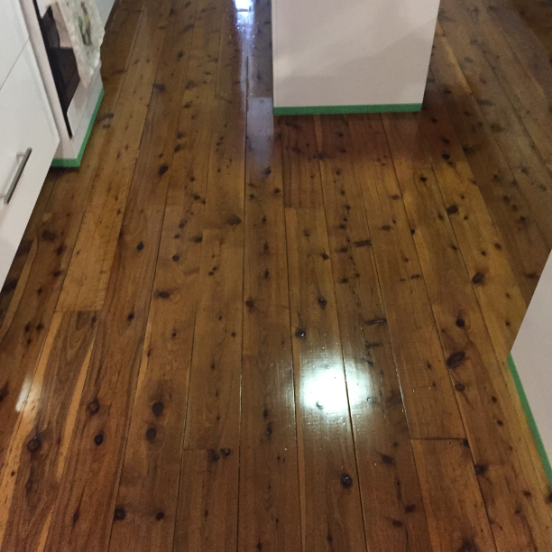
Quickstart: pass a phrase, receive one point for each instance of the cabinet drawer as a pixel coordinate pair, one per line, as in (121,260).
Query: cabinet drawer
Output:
(26,122)
(13,36)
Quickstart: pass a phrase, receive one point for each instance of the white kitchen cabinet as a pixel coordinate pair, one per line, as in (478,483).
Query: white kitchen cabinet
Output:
(28,141)
(352,55)
(12,37)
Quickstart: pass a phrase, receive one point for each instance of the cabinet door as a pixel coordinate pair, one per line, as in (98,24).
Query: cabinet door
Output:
(27,123)
(13,36)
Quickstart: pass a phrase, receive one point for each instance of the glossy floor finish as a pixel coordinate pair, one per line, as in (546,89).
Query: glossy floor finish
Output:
(230,332)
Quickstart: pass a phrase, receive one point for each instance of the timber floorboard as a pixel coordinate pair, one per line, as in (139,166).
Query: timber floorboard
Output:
(228,331)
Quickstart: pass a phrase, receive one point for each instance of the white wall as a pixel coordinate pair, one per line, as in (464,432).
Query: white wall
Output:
(351,52)
(532,355)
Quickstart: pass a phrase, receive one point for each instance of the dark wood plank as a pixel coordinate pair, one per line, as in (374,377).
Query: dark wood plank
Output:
(208,501)
(455,509)
(95,457)
(24,330)
(302,188)
(523,23)
(214,402)
(520,86)
(527,164)
(394,516)
(502,303)
(296,441)
(536,15)
(88,274)
(150,476)
(526,247)
(117,49)
(16,281)
(32,474)
(492,430)
(429,400)
(269,509)
(211,437)
(331,508)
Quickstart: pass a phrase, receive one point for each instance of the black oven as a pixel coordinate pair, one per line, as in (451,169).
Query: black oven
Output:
(62,62)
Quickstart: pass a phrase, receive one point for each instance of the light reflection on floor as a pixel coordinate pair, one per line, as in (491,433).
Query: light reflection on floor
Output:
(243,21)
(323,391)
(243,4)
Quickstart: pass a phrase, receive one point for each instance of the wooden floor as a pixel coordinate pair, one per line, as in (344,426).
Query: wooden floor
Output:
(230,332)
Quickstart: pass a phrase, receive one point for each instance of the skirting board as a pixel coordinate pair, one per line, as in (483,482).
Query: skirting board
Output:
(530,419)
(341,109)
(74,163)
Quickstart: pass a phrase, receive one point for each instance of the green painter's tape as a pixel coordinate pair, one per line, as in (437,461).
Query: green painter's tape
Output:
(338,109)
(530,419)
(74,163)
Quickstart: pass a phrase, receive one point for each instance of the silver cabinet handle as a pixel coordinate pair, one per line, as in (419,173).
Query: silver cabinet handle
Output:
(23,159)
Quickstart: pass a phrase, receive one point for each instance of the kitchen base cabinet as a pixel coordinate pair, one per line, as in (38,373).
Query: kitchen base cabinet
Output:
(28,141)
(351,56)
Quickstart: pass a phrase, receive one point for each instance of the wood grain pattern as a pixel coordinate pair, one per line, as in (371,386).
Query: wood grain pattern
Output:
(520,82)
(497,295)
(471,357)
(302,179)
(537,17)
(331,508)
(422,368)
(528,167)
(261,313)
(117,51)
(455,509)
(88,275)
(517,80)
(392,504)
(269,508)
(16,282)
(526,247)
(501,299)
(208,501)
(36,458)
(96,453)
(214,401)
(24,331)
(149,479)
(211,437)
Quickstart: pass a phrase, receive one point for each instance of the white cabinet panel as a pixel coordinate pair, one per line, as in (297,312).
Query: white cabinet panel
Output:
(13,36)
(26,123)
(351,52)
(532,355)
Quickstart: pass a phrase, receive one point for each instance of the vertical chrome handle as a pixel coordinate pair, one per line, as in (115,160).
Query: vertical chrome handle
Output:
(23,159)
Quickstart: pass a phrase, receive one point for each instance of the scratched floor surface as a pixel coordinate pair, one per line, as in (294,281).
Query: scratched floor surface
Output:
(227,331)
